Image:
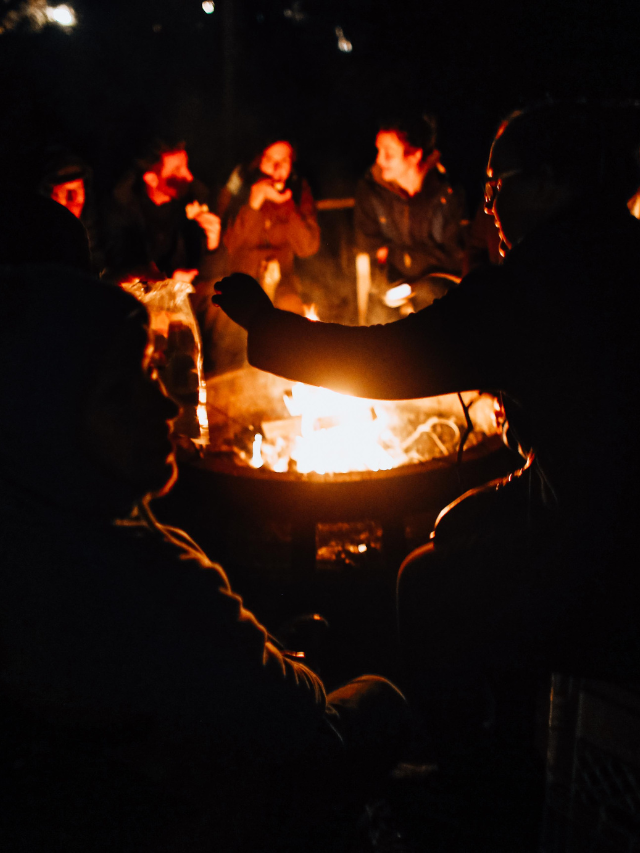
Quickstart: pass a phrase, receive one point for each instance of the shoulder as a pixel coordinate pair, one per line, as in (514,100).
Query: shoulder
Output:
(174,550)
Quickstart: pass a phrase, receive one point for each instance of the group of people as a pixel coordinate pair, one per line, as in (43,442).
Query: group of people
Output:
(160,221)
(143,707)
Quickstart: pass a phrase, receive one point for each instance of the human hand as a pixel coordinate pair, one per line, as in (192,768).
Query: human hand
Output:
(241,298)
(265,190)
(209,222)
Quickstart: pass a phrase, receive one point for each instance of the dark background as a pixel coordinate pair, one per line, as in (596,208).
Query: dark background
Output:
(132,69)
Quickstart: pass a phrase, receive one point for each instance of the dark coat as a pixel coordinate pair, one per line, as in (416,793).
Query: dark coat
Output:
(138,697)
(141,233)
(423,232)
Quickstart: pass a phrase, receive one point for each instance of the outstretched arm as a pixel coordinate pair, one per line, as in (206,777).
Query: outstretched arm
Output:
(441,349)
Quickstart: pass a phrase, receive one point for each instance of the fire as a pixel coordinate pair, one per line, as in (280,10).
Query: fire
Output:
(310,312)
(331,433)
(266,422)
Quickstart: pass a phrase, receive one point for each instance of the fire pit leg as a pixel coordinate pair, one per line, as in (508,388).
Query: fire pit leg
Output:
(303,546)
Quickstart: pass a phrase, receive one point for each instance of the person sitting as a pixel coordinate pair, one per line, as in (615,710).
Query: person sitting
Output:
(407,215)
(38,230)
(159,224)
(270,219)
(67,179)
(143,707)
(534,570)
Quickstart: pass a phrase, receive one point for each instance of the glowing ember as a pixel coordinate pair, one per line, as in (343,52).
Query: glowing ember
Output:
(398,295)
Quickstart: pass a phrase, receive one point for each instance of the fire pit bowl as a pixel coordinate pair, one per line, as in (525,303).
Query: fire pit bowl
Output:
(221,487)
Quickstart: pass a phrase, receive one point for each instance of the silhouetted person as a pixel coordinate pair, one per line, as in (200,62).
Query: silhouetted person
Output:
(36,230)
(67,179)
(534,570)
(143,708)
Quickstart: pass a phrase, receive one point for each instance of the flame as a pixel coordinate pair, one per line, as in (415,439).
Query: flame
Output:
(310,312)
(312,430)
(256,459)
(331,433)
(398,295)
(338,433)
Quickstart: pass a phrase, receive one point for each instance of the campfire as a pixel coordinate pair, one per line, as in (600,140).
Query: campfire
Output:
(260,421)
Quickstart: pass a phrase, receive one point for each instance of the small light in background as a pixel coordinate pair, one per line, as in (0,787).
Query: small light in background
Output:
(362,548)
(62,15)
(208,7)
(343,44)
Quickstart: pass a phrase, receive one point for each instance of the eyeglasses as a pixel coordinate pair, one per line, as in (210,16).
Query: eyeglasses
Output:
(493,187)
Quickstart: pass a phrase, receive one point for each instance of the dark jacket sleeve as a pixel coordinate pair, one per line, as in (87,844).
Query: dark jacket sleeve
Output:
(446,347)
(214,669)
(369,235)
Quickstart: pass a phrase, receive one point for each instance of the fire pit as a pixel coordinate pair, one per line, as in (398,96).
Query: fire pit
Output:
(258,466)
(260,421)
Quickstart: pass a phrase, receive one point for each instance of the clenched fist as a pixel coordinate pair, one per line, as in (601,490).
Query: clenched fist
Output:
(241,298)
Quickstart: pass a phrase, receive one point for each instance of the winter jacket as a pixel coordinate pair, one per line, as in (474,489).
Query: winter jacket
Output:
(423,232)
(141,233)
(279,232)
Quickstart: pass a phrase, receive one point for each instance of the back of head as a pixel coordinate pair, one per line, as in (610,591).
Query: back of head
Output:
(415,131)
(590,147)
(60,166)
(37,230)
(56,326)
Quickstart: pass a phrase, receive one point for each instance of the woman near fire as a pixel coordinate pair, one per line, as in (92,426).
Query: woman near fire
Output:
(533,570)
(269,219)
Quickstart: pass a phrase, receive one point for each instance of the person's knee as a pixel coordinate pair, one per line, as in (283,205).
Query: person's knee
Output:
(414,566)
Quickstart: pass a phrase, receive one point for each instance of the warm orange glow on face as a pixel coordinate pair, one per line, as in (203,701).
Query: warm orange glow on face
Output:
(395,160)
(71,195)
(169,178)
(276,161)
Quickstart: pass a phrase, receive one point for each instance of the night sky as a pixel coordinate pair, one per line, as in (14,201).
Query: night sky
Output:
(133,69)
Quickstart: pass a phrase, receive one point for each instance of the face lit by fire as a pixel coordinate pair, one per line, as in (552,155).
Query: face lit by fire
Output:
(276,161)
(169,178)
(71,195)
(127,418)
(520,201)
(396,161)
